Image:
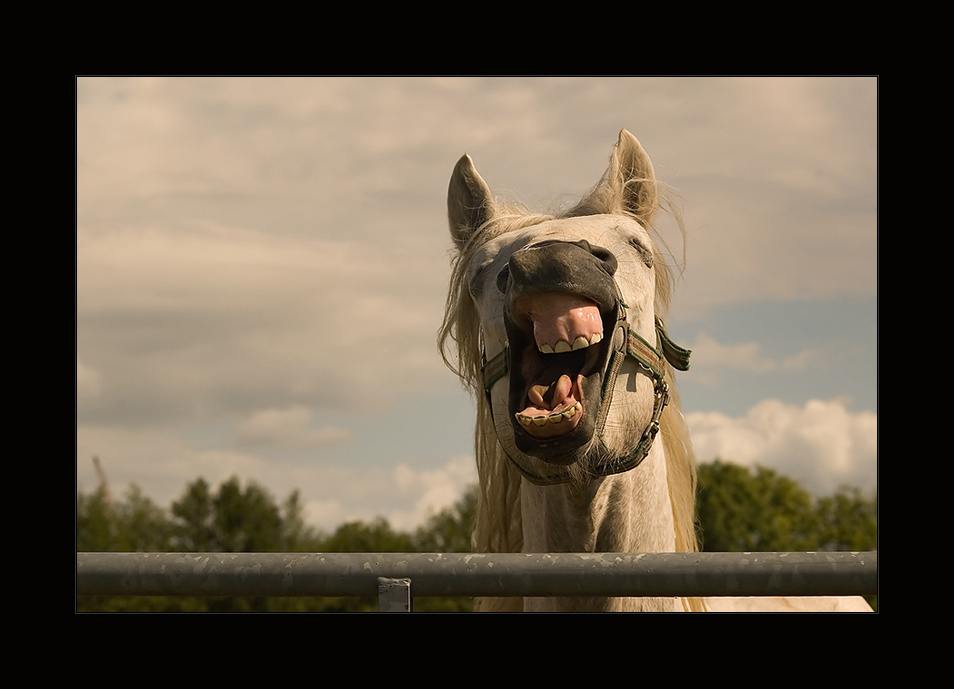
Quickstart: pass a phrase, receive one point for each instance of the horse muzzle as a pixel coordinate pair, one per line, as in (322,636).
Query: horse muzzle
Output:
(561,311)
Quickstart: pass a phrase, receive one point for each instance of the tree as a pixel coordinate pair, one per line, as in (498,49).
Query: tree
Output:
(848,521)
(358,537)
(195,523)
(94,522)
(742,509)
(136,524)
(236,520)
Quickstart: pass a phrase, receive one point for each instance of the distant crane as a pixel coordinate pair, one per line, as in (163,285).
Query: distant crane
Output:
(104,484)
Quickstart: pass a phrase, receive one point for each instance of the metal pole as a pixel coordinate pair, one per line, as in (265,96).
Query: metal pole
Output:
(469,574)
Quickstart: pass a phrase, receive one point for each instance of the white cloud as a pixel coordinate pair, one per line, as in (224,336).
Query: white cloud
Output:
(403,495)
(822,444)
(438,489)
(289,427)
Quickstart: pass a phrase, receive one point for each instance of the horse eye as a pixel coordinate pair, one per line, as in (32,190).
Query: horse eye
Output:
(644,253)
(503,278)
(476,283)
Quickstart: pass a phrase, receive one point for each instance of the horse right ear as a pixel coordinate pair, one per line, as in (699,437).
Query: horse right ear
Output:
(631,175)
(469,201)
(628,185)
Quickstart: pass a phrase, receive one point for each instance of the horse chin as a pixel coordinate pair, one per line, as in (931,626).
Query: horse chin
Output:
(562,450)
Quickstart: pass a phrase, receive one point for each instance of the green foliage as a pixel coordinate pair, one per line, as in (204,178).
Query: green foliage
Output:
(848,521)
(759,511)
(376,537)
(234,520)
(136,524)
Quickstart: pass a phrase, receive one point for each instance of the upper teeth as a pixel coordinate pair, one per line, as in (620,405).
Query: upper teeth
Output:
(563,346)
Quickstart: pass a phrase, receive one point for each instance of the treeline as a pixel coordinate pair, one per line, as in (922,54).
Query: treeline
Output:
(739,510)
(757,510)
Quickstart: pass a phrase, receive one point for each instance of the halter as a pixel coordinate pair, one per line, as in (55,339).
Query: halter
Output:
(651,361)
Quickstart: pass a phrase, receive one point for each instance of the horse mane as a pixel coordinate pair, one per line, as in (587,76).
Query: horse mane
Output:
(498,525)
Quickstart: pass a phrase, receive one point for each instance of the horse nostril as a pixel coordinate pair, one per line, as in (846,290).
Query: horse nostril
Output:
(607,258)
(503,279)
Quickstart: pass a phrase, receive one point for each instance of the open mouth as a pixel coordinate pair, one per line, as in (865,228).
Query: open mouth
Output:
(562,305)
(559,353)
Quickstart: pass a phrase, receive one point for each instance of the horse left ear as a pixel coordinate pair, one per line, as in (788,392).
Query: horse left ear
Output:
(470,202)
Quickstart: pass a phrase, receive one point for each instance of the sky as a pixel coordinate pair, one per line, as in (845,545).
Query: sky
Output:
(262,264)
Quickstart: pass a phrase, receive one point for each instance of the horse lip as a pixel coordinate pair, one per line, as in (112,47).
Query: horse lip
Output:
(527,364)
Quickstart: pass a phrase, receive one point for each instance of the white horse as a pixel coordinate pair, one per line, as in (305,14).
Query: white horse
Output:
(557,324)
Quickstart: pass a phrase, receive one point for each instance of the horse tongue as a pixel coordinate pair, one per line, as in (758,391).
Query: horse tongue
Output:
(552,410)
(550,396)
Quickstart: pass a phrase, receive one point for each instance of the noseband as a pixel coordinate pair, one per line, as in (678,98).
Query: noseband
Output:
(651,361)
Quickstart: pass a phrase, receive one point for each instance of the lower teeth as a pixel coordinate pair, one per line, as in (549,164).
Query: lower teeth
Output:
(555,417)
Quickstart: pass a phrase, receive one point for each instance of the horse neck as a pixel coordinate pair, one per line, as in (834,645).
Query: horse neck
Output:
(629,512)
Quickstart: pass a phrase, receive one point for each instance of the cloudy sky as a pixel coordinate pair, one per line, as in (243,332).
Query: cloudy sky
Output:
(261,266)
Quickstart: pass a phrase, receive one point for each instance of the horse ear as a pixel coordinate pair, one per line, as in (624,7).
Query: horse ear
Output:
(629,183)
(469,201)
(635,177)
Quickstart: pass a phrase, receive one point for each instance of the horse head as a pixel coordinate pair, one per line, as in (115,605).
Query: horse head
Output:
(568,315)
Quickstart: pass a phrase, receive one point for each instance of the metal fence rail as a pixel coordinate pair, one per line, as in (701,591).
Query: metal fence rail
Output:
(392,576)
